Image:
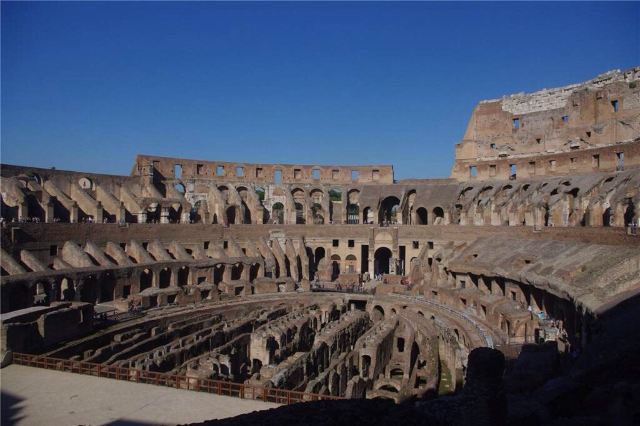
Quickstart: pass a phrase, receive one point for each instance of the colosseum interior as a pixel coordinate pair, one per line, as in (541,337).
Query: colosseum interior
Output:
(511,284)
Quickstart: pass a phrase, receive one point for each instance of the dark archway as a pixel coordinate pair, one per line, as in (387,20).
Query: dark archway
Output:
(382,259)
(629,213)
(319,255)
(247,213)
(165,278)
(277,213)
(422,216)
(300,219)
(183,276)
(606,217)
(438,215)
(377,313)
(388,210)
(365,214)
(146,279)
(335,266)
(231,215)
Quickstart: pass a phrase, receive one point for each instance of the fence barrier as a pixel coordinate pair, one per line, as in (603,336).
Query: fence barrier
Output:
(216,387)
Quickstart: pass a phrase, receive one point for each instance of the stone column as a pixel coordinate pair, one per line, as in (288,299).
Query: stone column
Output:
(164,215)
(184,217)
(121,213)
(48,212)
(73,213)
(23,211)
(99,213)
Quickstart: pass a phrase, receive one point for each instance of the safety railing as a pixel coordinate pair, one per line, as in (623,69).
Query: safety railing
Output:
(216,387)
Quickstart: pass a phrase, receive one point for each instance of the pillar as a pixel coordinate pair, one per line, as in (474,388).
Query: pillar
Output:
(164,215)
(73,213)
(48,212)
(99,213)
(23,211)
(185,217)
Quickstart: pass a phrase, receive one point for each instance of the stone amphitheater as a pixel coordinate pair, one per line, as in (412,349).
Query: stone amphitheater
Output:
(506,293)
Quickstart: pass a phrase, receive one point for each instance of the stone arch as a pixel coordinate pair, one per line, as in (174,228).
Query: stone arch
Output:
(382,258)
(335,266)
(165,278)
(183,276)
(277,213)
(389,210)
(366,212)
(67,289)
(438,215)
(377,313)
(231,215)
(422,216)
(351,264)
(146,279)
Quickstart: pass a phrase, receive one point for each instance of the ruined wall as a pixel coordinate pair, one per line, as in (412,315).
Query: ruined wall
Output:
(224,171)
(541,132)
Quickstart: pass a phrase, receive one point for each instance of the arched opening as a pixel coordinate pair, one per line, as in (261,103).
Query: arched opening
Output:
(89,291)
(629,213)
(218,273)
(183,276)
(350,264)
(146,278)
(318,256)
(365,215)
(67,289)
(253,271)
(277,213)
(422,216)
(107,287)
(397,373)
(299,214)
(231,215)
(438,216)
(353,206)
(42,295)
(377,313)
(247,213)
(318,213)
(165,278)
(179,188)
(365,365)
(388,388)
(335,266)
(382,258)
(389,210)
(236,271)
(606,217)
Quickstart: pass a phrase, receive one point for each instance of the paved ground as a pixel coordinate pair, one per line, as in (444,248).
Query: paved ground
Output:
(35,396)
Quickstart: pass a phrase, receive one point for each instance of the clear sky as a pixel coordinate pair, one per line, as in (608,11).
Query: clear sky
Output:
(86,85)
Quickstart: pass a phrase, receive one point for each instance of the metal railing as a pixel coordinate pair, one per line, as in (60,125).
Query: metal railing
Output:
(216,387)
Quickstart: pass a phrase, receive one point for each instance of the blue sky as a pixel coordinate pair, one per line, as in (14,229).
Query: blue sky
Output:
(86,85)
